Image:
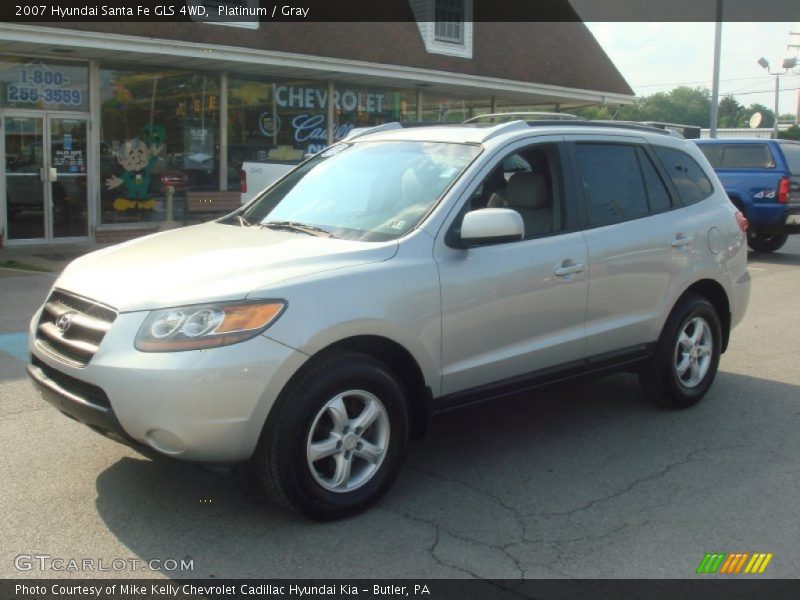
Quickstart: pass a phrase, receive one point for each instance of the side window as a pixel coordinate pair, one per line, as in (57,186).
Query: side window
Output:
(657,194)
(747,156)
(713,153)
(689,179)
(612,182)
(528,181)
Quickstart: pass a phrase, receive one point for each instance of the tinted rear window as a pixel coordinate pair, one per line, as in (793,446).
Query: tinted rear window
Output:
(738,156)
(687,176)
(792,154)
(747,156)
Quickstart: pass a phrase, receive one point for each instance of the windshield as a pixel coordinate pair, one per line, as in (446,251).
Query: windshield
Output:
(370,191)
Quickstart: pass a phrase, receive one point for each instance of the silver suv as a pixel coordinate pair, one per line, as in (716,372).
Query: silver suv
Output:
(392,276)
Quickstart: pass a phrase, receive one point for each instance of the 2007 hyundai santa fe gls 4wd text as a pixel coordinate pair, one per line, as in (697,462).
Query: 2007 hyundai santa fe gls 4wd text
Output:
(397,274)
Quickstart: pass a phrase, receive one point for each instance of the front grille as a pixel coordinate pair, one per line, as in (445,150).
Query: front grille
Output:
(71,328)
(88,392)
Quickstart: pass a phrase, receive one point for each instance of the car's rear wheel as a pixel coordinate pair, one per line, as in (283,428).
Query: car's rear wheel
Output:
(336,438)
(687,355)
(762,242)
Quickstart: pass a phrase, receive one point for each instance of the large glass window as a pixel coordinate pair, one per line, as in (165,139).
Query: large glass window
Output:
(282,121)
(159,140)
(50,85)
(452,109)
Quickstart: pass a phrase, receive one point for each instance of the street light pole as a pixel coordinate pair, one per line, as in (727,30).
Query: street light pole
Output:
(777,96)
(788,63)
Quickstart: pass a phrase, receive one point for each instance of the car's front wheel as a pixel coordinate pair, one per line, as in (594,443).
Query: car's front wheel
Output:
(336,438)
(762,242)
(687,355)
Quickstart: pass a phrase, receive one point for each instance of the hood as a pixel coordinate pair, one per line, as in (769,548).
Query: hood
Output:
(209,262)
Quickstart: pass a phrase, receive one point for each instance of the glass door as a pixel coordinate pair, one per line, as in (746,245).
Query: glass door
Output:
(45,177)
(24,172)
(67,180)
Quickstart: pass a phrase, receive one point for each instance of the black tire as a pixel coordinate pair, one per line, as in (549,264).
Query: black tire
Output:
(762,242)
(660,378)
(281,462)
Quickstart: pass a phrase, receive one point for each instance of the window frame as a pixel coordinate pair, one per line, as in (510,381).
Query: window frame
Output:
(583,201)
(459,20)
(563,169)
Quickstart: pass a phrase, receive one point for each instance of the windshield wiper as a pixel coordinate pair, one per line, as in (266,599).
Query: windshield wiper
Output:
(295,226)
(242,221)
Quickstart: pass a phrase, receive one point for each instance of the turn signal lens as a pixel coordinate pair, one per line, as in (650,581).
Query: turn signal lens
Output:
(742,221)
(206,326)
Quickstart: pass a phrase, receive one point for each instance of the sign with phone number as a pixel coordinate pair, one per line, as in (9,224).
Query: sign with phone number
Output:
(43,85)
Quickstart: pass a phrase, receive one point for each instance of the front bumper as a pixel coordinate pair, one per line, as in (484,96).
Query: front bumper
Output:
(204,406)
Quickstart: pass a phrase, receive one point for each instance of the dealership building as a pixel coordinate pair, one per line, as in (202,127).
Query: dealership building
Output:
(114,130)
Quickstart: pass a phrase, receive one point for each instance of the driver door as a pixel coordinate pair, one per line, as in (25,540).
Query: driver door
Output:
(511,310)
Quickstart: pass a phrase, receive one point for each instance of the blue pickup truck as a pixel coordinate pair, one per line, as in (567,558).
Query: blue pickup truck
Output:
(762,178)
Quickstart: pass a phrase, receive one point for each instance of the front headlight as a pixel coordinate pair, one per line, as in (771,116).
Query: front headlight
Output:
(206,325)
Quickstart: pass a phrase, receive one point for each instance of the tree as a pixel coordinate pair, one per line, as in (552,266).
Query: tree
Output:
(793,133)
(729,112)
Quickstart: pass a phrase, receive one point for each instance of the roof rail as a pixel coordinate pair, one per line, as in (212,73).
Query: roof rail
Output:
(359,131)
(526,116)
(504,128)
(609,124)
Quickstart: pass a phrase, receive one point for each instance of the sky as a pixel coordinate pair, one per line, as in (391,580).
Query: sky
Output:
(656,57)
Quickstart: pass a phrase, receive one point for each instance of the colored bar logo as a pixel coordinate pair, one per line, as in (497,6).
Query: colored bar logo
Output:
(735,563)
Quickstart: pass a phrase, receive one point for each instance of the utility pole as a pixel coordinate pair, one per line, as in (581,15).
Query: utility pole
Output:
(796,47)
(715,83)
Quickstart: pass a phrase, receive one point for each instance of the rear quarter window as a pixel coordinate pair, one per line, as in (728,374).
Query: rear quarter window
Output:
(687,176)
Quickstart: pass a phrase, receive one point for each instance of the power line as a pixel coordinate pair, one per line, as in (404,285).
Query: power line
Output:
(766,91)
(679,83)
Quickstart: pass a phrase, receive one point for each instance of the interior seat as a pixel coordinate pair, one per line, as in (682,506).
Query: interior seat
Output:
(527,194)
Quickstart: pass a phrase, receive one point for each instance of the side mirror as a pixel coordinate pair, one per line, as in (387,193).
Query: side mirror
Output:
(491,226)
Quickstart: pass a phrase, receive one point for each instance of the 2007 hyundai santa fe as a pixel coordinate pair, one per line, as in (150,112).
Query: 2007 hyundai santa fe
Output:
(399,273)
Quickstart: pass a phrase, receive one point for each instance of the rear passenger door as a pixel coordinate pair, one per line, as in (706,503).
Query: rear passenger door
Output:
(639,246)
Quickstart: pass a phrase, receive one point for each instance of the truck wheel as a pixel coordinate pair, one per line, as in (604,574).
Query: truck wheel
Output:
(336,438)
(687,355)
(762,242)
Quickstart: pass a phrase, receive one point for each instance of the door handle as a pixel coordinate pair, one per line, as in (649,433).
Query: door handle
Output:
(681,240)
(569,269)
(47,174)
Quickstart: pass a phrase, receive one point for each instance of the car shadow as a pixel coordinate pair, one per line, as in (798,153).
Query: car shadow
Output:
(496,474)
(775,258)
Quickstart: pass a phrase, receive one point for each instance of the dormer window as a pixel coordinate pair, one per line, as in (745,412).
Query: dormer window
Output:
(449,21)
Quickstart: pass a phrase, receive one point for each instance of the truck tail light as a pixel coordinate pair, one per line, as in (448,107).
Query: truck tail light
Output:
(742,221)
(783,190)
(243,181)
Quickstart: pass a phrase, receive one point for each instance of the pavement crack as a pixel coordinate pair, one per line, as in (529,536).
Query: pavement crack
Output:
(636,482)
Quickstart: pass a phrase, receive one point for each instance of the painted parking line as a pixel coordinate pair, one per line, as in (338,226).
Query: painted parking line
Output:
(15,344)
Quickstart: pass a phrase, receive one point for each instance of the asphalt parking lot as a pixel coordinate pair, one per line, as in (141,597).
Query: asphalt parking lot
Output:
(579,480)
